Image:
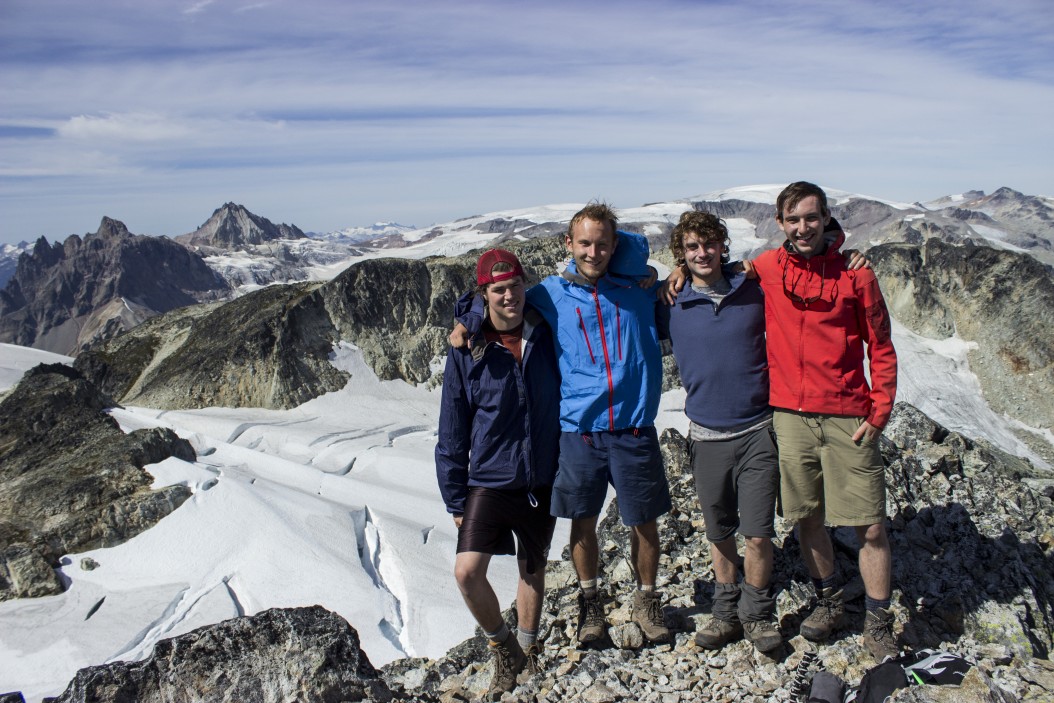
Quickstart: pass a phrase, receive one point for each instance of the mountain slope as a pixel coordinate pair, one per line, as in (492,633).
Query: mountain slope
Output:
(65,296)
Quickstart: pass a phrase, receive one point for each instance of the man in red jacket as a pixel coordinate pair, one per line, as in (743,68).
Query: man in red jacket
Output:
(819,319)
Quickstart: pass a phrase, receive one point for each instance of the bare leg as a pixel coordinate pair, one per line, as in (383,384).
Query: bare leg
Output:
(585,553)
(529,595)
(875,560)
(816,548)
(644,551)
(726,560)
(470,570)
(757,563)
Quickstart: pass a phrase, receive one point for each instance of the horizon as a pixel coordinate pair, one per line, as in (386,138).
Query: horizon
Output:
(330,115)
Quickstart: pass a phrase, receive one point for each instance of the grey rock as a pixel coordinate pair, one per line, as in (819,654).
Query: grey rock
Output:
(72,479)
(279,655)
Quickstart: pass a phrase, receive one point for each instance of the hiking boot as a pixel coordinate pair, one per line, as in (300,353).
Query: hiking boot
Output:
(717,633)
(826,617)
(647,613)
(531,665)
(763,634)
(509,661)
(591,624)
(878,634)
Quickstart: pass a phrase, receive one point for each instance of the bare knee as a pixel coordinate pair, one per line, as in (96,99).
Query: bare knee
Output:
(873,536)
(758,545)
(469,575)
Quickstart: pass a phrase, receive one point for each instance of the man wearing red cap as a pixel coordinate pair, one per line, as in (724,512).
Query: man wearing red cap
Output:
(496,457)
(611,377)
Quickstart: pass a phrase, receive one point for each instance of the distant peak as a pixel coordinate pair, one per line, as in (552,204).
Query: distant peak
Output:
(110,227)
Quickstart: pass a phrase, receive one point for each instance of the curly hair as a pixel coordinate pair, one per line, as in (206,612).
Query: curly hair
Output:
(706,226)
(796,192)
(598,211)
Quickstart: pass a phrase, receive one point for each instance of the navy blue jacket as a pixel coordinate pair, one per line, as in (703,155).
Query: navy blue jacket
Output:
(499,424)
(720,353)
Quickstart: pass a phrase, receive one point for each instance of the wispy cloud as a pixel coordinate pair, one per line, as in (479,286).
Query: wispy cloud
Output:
(331,113)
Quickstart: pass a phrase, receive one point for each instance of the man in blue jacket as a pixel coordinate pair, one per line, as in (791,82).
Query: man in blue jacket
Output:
(717,329)
(611,378)
(496,456)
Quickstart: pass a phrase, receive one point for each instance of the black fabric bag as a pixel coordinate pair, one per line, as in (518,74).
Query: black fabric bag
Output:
(879,683)
(826,688)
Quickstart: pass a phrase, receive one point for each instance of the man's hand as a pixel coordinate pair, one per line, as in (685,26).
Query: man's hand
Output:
(459,336)
(867,431)
(674,283)
(856,260)
(457,520)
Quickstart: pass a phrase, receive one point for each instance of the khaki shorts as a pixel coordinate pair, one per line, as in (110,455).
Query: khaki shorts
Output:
(823,472)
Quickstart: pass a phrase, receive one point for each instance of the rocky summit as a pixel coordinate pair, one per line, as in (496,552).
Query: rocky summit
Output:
(972,539)
(72,480)
(234,227)
(65,296)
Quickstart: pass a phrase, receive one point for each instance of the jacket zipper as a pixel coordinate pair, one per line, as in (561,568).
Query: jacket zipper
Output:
(607,361)
(618,329)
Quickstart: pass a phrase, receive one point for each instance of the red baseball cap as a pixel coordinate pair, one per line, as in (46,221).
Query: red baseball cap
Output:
(495,256)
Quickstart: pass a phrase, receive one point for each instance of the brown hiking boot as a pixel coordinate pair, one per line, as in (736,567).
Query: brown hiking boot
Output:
(647,613)
(763,634)
(591,623)
(826,617)
(717,633)
(531,665)
(509,661)
(878,634)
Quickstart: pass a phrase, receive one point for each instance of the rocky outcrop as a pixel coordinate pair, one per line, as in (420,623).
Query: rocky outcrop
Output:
(1000,300)
(300,654)
(270,348)
(72,480)
(266,349)
(65,296)
(233,227)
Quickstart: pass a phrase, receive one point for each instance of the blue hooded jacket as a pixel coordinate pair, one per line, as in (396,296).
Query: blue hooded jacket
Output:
(499,421)
(606,343)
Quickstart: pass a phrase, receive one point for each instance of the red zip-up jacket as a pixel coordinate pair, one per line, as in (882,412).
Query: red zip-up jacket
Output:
(818,318)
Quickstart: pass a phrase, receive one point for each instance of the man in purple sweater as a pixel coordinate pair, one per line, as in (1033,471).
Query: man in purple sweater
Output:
(717,330)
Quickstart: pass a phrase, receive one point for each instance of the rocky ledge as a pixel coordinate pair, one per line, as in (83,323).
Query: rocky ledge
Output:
(72,480)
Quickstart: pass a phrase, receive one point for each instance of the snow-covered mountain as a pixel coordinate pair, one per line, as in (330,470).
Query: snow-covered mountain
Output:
(335,502)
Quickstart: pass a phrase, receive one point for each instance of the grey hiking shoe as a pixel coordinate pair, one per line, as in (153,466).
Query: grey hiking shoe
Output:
(718,632)
(509,661)
(826,617)
(647,613)
(763,634)
(878,634)
(591,623)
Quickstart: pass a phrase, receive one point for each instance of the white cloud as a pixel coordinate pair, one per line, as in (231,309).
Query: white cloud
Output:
(140,127)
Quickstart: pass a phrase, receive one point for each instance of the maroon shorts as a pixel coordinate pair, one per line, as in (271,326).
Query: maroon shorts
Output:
(493,516)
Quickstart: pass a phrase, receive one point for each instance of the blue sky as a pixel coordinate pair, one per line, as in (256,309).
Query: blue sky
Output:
(331,114)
